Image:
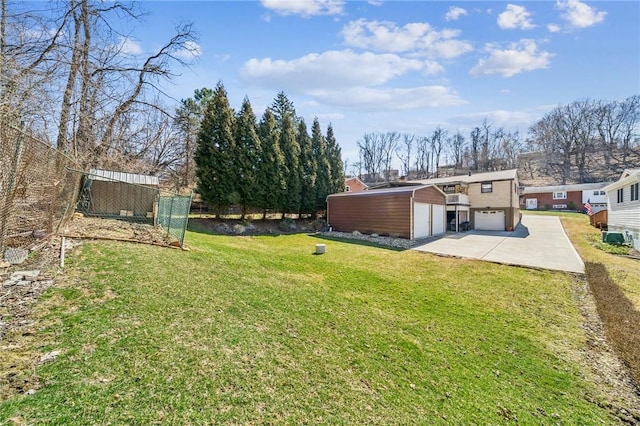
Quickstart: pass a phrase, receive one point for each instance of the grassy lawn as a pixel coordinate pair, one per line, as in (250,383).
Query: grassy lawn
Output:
(586,239)
(255,330)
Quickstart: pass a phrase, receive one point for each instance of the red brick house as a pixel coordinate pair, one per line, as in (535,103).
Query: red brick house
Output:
(354,184)
(565,197)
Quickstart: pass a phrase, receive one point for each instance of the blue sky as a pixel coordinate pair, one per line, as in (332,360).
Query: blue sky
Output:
(407,66)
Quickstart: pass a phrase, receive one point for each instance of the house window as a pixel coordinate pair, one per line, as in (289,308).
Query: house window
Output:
(449,189)
(599,193)
(560,195)
(620,195)
(486,187)
(347,188)
(634,192)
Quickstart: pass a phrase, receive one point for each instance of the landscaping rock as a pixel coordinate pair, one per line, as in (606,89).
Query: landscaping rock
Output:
(239,229)
(26,275)
(223,228)
(15,256)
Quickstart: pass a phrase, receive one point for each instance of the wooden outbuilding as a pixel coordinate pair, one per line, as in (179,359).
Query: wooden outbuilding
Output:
(407,212)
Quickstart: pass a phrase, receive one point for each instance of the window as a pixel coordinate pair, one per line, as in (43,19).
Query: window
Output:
(560,195)
(599,193)
(620,195)
(486,187)
(559,206)
(449,189)
(347,188)
(634,192)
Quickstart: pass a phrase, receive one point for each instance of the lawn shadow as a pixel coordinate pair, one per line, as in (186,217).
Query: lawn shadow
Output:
(357,242)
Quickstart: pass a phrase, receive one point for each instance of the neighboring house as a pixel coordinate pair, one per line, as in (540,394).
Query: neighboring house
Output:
(624,206)
(486,201)
(408,212)
(111,194)
(563,197)
(353,184)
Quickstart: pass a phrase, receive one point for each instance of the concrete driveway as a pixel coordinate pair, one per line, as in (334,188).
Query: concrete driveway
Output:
(538,241)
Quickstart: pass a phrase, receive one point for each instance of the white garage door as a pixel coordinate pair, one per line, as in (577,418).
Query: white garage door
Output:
(438,219)
(489,220)
(421,220)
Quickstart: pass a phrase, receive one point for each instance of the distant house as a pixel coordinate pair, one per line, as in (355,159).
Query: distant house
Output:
(563,197)
(624,206)
(353,184)
(408,212)
(486,201)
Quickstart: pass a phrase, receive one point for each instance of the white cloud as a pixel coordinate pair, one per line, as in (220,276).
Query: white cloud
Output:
(419,38)
(388,99)
(305,7)
(329,70)
(349,79)
(455,13)
(129,47)
(553,28)
(580,15)
(509,120)
(376,2)
(515,17)
(191,50)
(518,57)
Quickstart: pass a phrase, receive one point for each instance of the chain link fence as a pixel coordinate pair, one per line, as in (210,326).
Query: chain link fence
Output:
(36,191)
(42,193)
(128,206)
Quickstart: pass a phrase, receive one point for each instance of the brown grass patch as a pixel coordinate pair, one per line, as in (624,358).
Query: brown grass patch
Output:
(621,319)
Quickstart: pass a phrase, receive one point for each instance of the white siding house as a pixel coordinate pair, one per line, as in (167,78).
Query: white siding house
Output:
(624,206)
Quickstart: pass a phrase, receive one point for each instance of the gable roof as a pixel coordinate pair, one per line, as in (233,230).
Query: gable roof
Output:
(385,191)
(113,176)
(511,174)
(355,178)
(628,177)
(556,188)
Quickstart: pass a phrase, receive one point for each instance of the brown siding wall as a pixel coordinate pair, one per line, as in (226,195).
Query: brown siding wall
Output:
(388,214)
(430,195)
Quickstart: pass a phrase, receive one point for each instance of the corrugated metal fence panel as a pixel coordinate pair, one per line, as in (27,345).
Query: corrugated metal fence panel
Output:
(110,175)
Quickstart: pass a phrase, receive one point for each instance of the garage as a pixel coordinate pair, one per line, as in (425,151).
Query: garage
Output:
(410,212)
(489,220)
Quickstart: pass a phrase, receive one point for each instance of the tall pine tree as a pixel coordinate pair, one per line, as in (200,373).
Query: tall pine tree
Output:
(246,158)
(334,155)
(291,153)
(323,176)
(271,176)
(308,170)
(215,151)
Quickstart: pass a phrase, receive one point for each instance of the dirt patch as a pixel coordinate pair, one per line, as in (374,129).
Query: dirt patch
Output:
(112,229)
(613,377)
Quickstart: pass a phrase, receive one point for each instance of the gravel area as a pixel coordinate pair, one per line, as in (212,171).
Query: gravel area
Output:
(399,243)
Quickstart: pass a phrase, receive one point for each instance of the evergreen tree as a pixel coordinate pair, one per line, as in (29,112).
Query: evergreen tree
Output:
(281,107)
(188,118)
(215,151)
(308,169)
(323,176)
(271,178)
(291,153)
(334,155)
(247,157)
